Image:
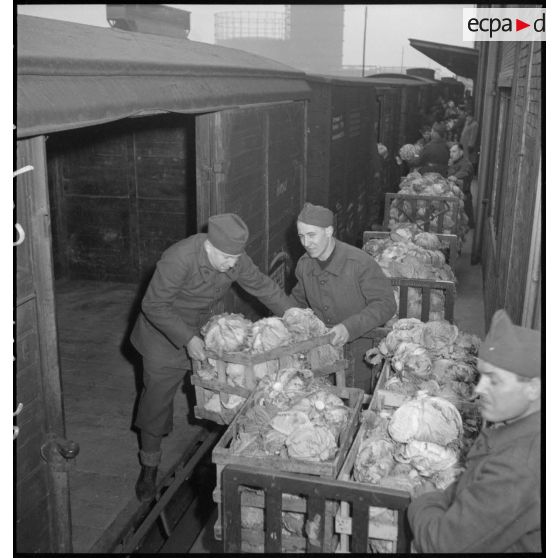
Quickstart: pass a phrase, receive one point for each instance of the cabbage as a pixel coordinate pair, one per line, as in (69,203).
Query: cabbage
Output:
(410,152)
(426,419)
(374,460)
(236,374)
(410,359)
(439,334)
(289,421)
(315,443)
(426,457)
(269,333)
(303,324)
(427,240)
(232,401)
(226,333)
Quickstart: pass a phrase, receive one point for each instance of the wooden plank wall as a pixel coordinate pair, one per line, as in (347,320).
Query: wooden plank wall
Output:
(506,250)
(42,498)
(121,194)
(523,163)
(353,185)
(258,161)
(32,526)
(319,140)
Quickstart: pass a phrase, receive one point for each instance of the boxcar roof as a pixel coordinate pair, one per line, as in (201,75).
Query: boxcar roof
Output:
(387,80)
(339,80)
(71,75)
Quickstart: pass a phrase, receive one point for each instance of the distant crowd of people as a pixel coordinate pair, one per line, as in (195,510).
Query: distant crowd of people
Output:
(448,145)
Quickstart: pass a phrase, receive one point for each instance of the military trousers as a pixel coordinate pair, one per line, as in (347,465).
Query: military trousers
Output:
(161,379)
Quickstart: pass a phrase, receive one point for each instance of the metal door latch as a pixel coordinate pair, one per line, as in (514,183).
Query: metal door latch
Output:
(58,452)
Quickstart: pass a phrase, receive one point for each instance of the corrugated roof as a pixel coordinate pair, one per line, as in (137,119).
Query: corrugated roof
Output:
(72,75)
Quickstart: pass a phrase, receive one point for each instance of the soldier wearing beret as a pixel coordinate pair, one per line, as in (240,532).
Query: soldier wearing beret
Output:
(494,506)
(343,285)
(190,278)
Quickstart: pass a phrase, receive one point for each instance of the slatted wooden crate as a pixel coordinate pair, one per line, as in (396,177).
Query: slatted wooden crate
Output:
(319,493)
(449,244)
(427,212)
(223,456)
(426,286)
(379,528)
(303,352)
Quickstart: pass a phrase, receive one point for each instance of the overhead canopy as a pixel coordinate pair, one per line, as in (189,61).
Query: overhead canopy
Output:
(462,61)
(71,75)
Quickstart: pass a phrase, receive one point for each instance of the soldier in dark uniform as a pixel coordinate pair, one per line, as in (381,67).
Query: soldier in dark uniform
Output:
(495,505)
(344,287)
(191,277)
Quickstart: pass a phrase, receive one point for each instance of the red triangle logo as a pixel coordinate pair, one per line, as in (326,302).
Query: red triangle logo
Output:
(519,25)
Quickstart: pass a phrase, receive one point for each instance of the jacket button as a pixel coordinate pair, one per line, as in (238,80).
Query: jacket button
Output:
(322,282)
(326,307)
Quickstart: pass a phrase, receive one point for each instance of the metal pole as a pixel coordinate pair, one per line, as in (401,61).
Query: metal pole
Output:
(364,39)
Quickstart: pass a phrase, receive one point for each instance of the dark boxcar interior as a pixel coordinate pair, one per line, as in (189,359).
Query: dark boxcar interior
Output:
(120,194)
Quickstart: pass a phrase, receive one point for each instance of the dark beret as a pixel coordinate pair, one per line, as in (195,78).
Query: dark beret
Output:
(316,215)
(512,348)
(228,233)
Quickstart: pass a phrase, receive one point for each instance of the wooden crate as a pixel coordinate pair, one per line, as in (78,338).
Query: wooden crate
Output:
(426,286)
(378,528)
(305,351)
(222,456)
(449,244)
(436,207)
(318,493)
(253,538)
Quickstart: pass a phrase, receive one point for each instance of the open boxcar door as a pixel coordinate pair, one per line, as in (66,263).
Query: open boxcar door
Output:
(252,161)
(42,453)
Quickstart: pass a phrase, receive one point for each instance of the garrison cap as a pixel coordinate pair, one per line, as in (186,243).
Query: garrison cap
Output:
(316,215)
(512,348)
(228,233)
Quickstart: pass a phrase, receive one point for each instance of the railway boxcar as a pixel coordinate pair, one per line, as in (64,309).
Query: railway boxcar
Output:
(400,102)
(343,162)
(147,136)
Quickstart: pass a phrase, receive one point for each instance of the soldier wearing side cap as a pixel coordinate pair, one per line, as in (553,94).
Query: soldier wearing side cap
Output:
(495,505)
(190,278)
(344,287)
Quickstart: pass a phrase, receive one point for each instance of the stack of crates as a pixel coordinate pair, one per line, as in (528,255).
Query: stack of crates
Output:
(253,502)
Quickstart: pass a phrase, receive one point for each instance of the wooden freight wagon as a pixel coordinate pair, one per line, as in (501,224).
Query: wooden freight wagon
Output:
(343,162)
(147,137)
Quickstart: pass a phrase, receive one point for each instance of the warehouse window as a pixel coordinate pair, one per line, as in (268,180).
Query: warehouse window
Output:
(501,159)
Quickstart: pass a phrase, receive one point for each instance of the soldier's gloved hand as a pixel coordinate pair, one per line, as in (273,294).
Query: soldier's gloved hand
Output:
(196,348)
(340,335)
